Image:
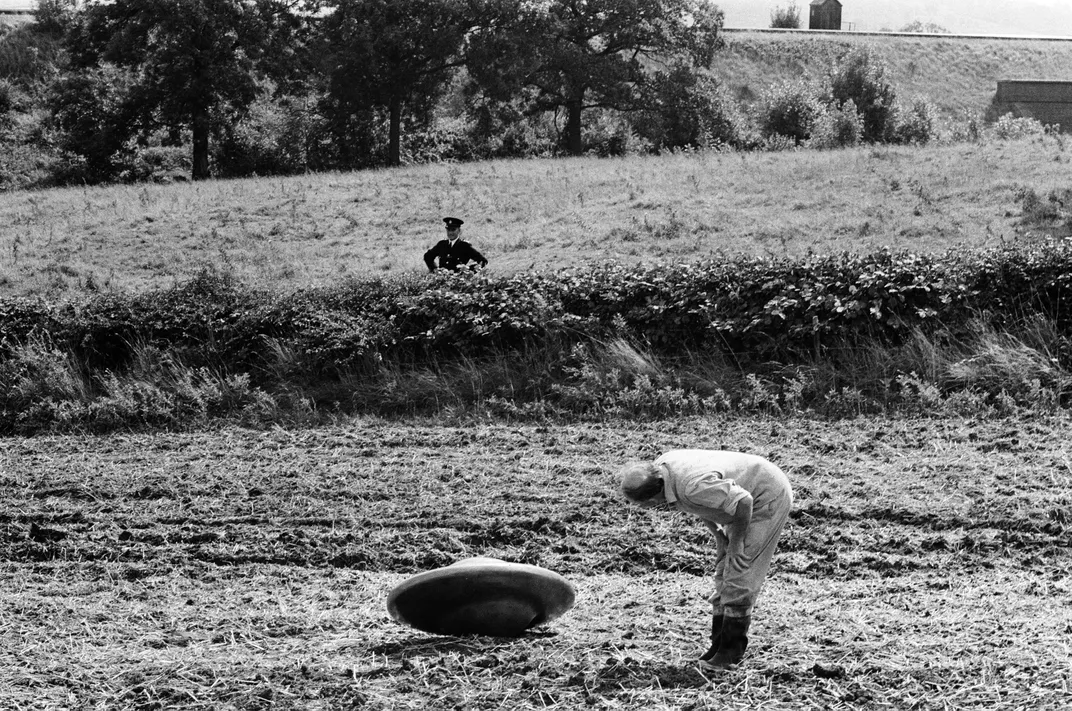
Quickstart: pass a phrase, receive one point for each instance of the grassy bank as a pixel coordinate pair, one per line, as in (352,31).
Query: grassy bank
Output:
(958,74)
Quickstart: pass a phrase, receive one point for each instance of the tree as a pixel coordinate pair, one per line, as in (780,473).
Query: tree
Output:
(196,63)
(862,77)
(92,111)
(788,18)
(583,54)
(925,27)
(687,109)
(392,54)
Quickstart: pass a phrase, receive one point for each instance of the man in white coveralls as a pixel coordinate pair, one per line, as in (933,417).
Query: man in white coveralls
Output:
(744,500)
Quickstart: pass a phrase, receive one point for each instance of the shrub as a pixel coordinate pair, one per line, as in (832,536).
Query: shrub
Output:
(1011,128)
(136,163)
(38,369)
(90,111)
(7,98)
(777,142)
(501,129)
(916,123)
(840,333)
(52,17)
(444,140)
(786,18)
(276,137)
(28,57)
(688,110)
(792,108)
(607,134)
(924,27)
(836,127)
(861,77)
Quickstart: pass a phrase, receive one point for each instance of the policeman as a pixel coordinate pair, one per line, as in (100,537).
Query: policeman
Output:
(453,252)
(744,501)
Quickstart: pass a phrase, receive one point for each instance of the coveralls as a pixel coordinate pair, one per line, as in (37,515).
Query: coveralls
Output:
(709,484)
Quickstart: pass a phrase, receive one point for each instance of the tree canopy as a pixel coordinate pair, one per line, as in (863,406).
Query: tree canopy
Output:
(582,54)
(192,62)
(387,53)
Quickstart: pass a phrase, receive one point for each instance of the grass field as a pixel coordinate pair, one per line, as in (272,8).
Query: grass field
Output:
(924,567)
(284,233)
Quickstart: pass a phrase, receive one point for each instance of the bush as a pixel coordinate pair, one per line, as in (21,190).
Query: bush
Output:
(7,98)
(861,77)
(53,17)
(1012,128)
(443,140)
(787,18)
(916,123)
(28,57)
(791,110)
(277,137)
(688,110)
(140,163)
(91,113)
(500,129)
(836,127)
(843,333)
(608,134)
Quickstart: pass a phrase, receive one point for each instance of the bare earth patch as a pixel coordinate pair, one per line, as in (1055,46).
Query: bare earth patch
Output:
(925,566)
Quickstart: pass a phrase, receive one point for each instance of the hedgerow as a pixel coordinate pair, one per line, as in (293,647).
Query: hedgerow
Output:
(787,320)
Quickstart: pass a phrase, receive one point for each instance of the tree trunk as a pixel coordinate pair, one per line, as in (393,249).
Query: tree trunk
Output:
(573,128)
(200,128)
(394,146)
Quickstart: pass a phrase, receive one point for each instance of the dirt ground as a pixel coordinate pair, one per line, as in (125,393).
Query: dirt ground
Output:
(924,566)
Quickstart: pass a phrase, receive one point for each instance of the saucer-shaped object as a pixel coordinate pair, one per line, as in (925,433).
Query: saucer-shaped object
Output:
(483,596)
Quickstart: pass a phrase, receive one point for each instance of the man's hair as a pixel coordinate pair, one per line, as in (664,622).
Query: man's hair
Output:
(641,481)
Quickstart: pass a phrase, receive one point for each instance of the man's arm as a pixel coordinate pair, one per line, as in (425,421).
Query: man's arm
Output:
(430,255)
(735,531)
(477,256)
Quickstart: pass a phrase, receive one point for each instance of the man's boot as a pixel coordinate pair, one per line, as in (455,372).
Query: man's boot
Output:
(716,637)
(732,645)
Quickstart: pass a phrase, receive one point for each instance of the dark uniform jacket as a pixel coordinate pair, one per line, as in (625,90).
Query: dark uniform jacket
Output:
(452,256)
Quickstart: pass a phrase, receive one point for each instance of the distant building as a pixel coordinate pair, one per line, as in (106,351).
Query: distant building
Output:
(825,15)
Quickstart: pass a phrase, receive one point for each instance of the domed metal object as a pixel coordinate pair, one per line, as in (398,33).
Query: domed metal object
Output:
(484,596)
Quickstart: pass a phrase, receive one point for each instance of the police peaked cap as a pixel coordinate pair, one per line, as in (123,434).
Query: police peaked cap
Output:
(453,222)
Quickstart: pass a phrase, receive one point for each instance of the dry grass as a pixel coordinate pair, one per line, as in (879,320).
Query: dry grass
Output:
(924,567)
(271,637)
(541,214)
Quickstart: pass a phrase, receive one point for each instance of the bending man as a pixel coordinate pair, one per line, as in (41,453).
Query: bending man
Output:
(744,500)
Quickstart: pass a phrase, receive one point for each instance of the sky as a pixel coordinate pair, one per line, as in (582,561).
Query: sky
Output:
(986,17)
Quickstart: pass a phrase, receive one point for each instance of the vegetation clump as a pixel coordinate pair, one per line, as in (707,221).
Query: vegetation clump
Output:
(837,334)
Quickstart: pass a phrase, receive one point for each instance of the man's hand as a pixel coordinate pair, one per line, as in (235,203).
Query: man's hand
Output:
(718,533)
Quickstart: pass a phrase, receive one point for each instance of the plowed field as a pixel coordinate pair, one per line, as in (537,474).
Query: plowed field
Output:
(925,566)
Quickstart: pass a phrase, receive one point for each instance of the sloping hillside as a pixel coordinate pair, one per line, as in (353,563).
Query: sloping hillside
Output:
(958,74)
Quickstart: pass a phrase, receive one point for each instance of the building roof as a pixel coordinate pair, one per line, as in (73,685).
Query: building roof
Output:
(824,2)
